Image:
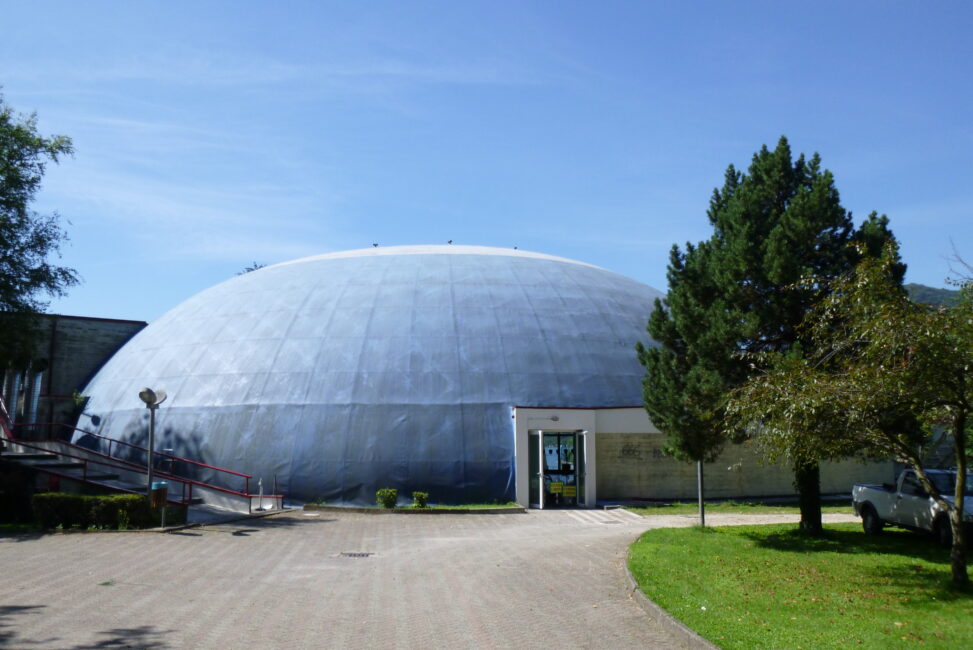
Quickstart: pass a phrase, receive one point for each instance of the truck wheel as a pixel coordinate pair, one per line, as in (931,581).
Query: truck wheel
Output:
(871,522)
(943,532)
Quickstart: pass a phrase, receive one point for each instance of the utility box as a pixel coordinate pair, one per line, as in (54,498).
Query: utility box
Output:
(159,494)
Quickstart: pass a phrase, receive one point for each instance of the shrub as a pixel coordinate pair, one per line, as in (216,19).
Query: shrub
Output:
(420,499)
(387,497)
(122,511)
(102,513)
(52,509)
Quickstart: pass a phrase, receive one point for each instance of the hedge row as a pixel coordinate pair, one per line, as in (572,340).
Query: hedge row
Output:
(116,511)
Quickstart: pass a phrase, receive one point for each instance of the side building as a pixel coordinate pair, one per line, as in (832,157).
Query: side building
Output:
(69,351)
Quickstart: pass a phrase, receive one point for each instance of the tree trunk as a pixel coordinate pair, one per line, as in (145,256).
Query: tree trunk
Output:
(807,482)
(957,554)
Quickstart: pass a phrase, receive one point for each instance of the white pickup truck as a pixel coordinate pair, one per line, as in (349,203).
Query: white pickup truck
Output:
(907,504)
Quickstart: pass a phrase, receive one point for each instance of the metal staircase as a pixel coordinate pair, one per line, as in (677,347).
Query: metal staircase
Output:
(117,466)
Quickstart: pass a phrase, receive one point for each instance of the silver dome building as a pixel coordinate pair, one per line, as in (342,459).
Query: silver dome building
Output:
(389,367)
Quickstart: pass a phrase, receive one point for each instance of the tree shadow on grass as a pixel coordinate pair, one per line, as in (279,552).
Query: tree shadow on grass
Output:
(891,542)
(913,583)
(916,579)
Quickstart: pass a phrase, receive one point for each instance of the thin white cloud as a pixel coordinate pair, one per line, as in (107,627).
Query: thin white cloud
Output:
(180,218)
(207,69)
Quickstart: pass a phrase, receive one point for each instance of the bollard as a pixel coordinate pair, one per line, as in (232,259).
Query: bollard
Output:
(159,496)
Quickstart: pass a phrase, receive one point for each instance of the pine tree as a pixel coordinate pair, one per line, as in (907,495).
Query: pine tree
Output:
(737,295)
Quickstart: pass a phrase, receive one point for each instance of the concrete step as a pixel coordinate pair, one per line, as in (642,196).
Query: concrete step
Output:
(17,457)
(210,514)
(64,464)
(102,477)
(122,485)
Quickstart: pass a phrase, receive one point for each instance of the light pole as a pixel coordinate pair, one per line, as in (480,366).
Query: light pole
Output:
(152,399)
(699,492)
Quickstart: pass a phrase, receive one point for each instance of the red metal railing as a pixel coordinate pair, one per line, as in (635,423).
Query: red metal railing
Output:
(116,463)
(187,484)
(161,456)
(85,462)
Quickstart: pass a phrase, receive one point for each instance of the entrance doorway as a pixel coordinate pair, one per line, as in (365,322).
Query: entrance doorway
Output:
(557,469)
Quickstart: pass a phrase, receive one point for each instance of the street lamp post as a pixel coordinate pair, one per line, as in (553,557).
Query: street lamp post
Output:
(152,399)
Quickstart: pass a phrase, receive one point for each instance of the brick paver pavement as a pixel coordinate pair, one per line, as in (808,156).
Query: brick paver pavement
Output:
(543,579)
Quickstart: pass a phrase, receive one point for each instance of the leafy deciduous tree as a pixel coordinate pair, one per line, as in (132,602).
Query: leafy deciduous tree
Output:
(878,372)
(27,239)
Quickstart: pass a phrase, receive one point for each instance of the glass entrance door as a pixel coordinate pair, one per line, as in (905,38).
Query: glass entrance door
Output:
(534,469)
(560,484)
(581,467)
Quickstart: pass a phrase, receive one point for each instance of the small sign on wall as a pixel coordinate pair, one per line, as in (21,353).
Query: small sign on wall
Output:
(557,487)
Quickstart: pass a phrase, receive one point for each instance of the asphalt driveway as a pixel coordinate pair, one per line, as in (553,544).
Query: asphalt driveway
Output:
(345,580)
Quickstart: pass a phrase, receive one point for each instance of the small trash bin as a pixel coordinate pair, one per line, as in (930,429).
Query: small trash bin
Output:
(158,494)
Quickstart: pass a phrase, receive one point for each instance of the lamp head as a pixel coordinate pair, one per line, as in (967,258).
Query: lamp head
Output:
(152,398)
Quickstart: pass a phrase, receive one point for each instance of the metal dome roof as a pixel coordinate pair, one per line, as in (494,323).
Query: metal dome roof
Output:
(397,366)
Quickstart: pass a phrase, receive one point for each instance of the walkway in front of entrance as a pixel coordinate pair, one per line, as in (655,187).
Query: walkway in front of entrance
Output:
(303,580)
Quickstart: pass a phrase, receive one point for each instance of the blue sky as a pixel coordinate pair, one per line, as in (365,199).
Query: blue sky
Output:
(210,135)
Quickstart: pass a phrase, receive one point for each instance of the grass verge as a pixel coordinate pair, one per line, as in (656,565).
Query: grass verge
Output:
(432,506)
(474,506)
(771,587)
(736,508)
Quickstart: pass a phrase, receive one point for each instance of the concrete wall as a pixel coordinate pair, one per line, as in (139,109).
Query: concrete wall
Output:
(631,465)
(625,461)
(70,350)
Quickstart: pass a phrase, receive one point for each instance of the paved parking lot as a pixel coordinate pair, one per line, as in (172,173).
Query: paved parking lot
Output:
(303,580)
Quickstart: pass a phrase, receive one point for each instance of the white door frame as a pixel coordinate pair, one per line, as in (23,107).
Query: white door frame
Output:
(553,419)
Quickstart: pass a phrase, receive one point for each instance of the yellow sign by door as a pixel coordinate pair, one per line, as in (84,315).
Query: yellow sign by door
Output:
(556,487)
(570,491)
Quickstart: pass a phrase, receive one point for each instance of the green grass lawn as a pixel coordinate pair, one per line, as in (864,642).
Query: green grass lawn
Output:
(771,587)
(735,507)
(476,506)
(433,506)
